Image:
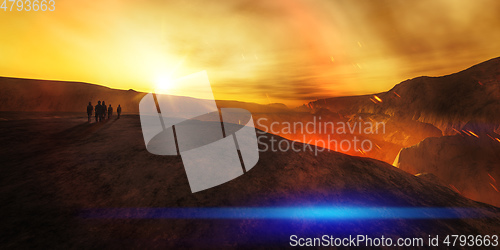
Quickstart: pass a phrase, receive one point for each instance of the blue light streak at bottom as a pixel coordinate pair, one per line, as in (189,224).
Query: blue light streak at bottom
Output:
(286,213)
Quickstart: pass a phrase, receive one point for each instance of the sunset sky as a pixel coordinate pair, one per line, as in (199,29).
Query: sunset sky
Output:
(260,51)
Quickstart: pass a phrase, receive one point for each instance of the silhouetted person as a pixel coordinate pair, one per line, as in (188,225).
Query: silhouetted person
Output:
(90,108)
(98,109)
(104,110)
(110,111)
(119,110)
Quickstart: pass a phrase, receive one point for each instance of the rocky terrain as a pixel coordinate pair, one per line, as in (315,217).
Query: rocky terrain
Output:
(463,106)
(447,102)
(443,129)
(53,170)
(468,164)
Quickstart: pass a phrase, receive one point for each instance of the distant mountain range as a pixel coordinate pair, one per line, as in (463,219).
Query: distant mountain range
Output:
(447,102)
(17,94)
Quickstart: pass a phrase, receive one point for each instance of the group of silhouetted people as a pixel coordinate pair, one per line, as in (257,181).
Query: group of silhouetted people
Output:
(101,111)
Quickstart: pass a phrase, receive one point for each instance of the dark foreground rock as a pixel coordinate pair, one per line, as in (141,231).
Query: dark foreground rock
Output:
(53,170)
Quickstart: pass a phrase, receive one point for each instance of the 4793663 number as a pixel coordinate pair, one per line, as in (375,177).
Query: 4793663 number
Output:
(471,240)
(28,5)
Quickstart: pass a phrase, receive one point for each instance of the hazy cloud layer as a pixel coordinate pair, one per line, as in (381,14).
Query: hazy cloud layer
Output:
(278,51)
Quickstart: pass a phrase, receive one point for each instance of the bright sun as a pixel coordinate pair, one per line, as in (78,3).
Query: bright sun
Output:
(164,83)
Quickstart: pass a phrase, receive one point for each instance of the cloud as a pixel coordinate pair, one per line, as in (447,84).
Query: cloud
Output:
(291,51)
